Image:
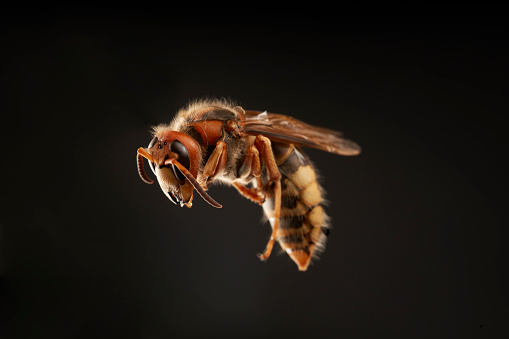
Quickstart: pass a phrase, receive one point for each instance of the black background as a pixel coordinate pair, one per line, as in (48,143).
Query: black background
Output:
(87,249)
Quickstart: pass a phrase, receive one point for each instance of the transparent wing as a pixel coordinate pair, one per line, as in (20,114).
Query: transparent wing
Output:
(286,129)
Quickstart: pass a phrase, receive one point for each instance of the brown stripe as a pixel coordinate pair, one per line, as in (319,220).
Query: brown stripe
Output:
(299,209)
(294,162)
(294,239)
(289,201)
(303,230)
(281,152)
(288,187)
(293,221)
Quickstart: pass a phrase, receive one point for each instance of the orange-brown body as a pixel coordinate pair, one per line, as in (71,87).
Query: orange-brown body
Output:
(259,154)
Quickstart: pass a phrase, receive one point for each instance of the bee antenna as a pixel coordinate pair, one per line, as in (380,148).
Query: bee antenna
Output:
(141,170)
(194,182)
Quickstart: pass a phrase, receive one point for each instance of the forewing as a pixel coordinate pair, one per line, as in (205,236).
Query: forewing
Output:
(286,129)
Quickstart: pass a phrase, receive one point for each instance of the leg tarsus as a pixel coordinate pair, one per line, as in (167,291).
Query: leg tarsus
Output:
(253,194)
(273,236)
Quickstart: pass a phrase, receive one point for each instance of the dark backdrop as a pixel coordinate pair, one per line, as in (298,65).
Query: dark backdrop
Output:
(89,250)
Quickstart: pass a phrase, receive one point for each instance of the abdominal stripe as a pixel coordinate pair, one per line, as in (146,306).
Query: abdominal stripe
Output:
(302,217)
(291,221)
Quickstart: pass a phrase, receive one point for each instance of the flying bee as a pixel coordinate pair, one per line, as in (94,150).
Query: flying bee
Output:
(259,154)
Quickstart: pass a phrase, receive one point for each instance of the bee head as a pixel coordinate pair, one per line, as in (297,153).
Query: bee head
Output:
(174,158)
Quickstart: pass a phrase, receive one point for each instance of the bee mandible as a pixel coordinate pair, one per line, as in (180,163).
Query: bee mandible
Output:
(259,154)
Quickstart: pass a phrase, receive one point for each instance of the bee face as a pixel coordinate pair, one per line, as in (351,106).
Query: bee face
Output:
(173,182)
(175,159)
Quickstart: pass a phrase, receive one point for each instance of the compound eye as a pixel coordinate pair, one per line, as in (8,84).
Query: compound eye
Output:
(183,157)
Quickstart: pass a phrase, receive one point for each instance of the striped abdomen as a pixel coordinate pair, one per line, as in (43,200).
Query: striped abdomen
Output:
(303,222)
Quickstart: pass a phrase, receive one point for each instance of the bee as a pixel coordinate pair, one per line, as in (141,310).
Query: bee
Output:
(259,154)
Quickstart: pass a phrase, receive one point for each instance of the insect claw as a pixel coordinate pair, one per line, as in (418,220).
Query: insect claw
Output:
(261,257)
(262,199)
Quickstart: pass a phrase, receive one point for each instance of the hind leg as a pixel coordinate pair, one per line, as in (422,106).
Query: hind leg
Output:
(273,188)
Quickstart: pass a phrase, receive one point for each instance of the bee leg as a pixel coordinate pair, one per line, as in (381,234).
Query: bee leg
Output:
(263,145)
(215,165)
(249,169)
(253,194)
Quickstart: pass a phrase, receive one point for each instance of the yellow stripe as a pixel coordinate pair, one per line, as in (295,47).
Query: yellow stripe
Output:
(315,216)
(304,176)
(311,194)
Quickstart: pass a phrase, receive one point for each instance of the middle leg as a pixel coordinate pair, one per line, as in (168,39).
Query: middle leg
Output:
(250,169)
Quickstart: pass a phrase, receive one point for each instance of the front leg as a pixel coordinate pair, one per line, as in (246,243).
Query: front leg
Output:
(215,165)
